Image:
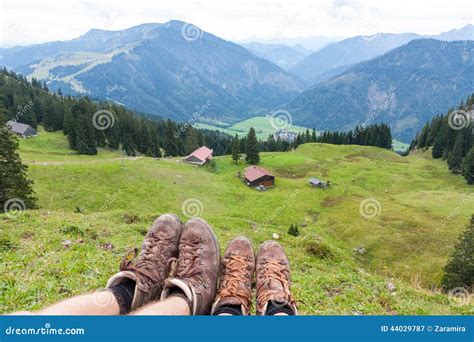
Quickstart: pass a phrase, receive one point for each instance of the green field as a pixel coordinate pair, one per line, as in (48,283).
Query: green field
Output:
(264,128)
(262,125)
(113,199)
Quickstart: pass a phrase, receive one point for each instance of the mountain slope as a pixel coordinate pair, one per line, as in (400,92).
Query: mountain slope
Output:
(347,52)
(329,277)
(338,57)
(282,55)
(404,88)
(157,68)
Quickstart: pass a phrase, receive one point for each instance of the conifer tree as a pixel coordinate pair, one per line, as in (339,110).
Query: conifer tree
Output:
(236,149)
(14,184)
(251,148)
(455,156)
(468,167)
(459,271)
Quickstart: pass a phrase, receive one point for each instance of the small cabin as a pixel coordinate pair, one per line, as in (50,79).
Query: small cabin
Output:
(200,156)
(258,176)
(317,183)
(21,130)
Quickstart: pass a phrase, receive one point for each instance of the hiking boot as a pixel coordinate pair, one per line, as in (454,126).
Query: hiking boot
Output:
(236,279)
(195,276)
(159,246)
(273,280)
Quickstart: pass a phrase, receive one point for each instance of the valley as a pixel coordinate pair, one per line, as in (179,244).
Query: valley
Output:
(347,259)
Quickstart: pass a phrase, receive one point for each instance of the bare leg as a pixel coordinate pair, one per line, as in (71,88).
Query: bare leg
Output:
(97,303)
(169,306)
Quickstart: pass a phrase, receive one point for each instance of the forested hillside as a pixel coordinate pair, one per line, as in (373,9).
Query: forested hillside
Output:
(90,124)
(451,137)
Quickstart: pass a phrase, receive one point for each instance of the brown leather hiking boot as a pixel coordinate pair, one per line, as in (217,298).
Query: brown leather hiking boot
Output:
(198,267)
(273,279)
(159,246)
(238,267)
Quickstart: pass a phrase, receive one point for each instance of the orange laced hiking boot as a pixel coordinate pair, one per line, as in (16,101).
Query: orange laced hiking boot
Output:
(238,267)
(195,277)
(273,281)
(159,247)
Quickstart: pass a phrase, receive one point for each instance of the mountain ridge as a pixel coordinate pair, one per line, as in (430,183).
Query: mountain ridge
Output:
(165,69)
(345,53)
(404,88)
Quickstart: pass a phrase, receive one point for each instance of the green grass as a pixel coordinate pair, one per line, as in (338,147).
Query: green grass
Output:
(118,198)
(261,124)
(264,128)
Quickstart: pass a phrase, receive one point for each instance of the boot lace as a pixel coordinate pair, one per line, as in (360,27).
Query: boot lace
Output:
(153,261)
(188,265)
(236,272)
(273,269)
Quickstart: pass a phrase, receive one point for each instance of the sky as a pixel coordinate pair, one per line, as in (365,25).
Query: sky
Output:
(23,22)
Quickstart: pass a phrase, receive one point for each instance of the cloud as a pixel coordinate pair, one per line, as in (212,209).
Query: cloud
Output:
(31,21)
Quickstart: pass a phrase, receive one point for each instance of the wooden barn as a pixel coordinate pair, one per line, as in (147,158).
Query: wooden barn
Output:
(258,176)
(21,130)
(200,156)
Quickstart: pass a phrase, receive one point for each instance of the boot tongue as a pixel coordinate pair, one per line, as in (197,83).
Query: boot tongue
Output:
(275,285)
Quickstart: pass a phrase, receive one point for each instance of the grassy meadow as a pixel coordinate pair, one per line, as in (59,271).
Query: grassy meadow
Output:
(391,209)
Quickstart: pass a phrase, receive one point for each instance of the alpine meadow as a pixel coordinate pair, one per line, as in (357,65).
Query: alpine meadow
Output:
(352,151)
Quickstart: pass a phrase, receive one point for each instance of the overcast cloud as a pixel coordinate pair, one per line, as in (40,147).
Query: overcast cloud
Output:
(32,21)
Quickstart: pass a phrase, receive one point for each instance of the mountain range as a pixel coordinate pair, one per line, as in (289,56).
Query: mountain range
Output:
(404,88)
(171,70)
(176,70)
(339,56)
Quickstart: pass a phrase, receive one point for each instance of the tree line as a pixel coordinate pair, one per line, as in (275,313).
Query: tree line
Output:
(451,139)
(373,135)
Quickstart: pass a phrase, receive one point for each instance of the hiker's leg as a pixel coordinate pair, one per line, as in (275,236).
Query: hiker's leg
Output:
(169,306)
(97,303)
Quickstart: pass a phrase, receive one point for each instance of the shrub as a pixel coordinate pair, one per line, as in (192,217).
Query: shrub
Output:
(293,230)
(130,218)
(318,248)
(72,230)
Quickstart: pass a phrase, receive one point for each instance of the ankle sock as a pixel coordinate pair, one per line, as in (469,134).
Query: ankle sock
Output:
(234,310)
(124,295)
(273,309)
